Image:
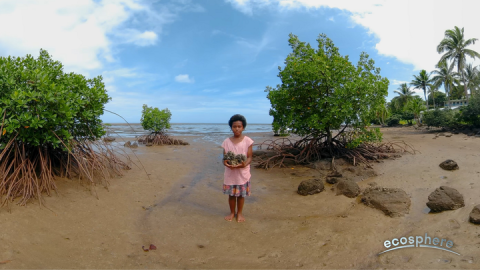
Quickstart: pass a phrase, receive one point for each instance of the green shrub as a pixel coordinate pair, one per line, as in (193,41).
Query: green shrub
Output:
(439,118)
(393,120)
(470,114)
(321,90)
(52,123)
(41,102)
(155,120)
(408,116)
(360,137)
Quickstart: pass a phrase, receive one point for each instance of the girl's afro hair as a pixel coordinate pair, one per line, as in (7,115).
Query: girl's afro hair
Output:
(237,117)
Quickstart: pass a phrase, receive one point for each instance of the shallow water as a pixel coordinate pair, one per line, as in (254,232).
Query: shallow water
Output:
(209,132)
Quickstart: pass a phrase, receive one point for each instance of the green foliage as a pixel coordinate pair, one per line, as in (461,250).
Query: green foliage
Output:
(470,114)
(454,47)
(393,120)
(422,81)
(321,90)
(279,129)
(404,94)
(444,75)
(439,118)
(39,99)
(360,137)
(408,116)
(439,99)
(155,120)
(457,92)
(395,106)
(416,105)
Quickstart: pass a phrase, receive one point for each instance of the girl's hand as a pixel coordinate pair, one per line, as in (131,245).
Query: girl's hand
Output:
(241,165)
(225,162)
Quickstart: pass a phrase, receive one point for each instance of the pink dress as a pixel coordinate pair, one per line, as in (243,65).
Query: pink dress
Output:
(238,176)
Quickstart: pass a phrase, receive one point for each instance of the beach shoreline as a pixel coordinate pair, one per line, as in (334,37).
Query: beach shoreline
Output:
(180,210)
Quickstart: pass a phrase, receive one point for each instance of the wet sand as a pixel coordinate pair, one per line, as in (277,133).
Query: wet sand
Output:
(180,210)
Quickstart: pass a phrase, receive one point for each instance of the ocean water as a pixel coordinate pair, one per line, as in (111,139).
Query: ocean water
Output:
(209,132)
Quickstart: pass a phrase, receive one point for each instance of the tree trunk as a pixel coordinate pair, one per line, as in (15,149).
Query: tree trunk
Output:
(447,91)
(465,87)
(329,136)
(329,141)
(463,79)
(425,95)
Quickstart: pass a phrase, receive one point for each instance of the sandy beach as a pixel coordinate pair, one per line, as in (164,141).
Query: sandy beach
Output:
(178,206)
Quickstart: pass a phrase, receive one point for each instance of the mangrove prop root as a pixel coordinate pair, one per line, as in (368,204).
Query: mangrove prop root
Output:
(26,172)
(160,138)
(310,149)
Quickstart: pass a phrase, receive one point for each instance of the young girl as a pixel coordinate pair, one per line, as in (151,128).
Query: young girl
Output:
(237,178)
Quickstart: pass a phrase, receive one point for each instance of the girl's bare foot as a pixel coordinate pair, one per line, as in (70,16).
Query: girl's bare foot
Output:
(230,217)
(240,218)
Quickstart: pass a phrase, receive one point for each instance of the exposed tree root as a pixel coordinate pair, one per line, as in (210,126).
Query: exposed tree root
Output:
(160,138)
(27,171)
(309,149)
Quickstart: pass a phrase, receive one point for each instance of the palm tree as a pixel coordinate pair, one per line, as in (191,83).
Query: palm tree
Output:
(416,106)
(422,81)
(404,94)
(455,47)
(431,93)
(446,76)
(395,105)
(472,78)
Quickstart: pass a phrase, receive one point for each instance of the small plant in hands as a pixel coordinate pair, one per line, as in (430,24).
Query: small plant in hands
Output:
(157,122)
(233,159)
(50,126)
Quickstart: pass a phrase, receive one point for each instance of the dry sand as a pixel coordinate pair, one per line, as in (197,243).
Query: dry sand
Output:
(180,210)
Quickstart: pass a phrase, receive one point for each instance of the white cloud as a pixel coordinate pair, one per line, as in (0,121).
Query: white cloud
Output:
(145,38)
(184,78)
(407,30)
(331,19)
(397,82)
(82,34)
(417,91)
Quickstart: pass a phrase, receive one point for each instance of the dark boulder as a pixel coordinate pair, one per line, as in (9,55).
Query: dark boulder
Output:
(332,180)
(310,187)
(449,165)
(109,139)
(445,198)
(348,188)
(475,215)
(334,174)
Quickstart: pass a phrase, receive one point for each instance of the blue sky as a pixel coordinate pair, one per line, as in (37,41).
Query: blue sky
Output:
(207,60)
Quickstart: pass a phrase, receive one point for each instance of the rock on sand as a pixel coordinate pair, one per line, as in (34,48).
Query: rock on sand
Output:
(475,215)
(310,187)
(394,202)
(449,165)
(348,188)
(445,198)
